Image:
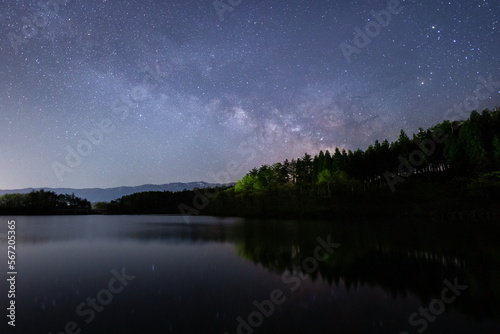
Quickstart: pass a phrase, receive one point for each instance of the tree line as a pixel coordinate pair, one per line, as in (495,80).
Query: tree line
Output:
(469,149)
(451,170)
(452,166)
(43,202)
(148,202)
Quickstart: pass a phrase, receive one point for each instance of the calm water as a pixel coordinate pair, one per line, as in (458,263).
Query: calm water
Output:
(157,274)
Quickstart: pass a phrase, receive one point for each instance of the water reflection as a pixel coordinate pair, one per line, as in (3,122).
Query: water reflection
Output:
(401,259)
(201,277)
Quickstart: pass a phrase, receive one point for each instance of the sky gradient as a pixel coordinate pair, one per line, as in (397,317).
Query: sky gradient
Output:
(112,93)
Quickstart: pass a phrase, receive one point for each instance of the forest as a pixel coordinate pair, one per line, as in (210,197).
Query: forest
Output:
(459,149)
(149,202)
(450,170)
(43,203)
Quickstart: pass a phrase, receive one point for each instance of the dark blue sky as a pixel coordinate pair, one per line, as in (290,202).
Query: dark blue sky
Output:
(109,93)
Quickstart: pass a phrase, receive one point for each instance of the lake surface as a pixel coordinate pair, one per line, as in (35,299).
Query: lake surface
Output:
(158,274)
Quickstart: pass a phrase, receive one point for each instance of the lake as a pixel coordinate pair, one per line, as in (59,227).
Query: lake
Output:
(159,274)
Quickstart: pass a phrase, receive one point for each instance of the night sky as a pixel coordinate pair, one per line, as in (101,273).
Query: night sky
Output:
(110,93)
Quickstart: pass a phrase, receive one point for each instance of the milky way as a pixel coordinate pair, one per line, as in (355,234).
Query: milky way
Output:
(109,93)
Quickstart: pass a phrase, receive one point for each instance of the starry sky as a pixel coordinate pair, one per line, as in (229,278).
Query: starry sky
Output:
(104,93)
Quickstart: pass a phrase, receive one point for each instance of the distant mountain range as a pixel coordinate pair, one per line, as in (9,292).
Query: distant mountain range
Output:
(109,194)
